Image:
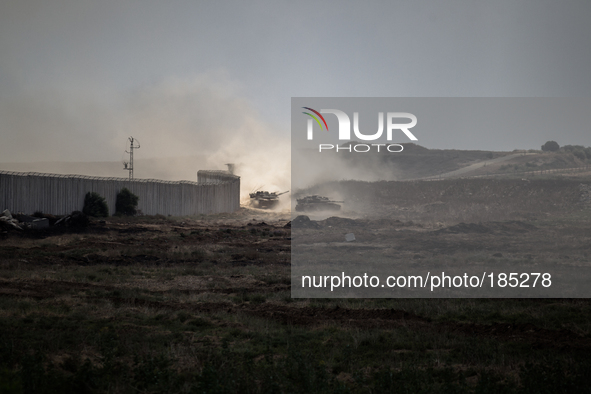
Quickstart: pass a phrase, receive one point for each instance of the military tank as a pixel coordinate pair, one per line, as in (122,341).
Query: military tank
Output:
(317,203)
(264,199)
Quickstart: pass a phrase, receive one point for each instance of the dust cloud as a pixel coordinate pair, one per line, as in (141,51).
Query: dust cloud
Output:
(312,168)
(182,125)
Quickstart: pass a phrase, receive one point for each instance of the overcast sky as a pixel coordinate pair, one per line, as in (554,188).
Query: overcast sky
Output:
(78,77)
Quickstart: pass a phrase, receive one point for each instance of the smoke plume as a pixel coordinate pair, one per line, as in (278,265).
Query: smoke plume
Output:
(182,125)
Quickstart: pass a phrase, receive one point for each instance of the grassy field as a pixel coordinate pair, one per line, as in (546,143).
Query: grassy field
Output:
(203,305)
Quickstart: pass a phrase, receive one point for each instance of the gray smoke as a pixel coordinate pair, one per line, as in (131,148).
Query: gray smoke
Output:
(183,125)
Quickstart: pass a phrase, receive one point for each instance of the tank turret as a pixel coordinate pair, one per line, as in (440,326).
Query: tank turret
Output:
(317,203)
(264,199)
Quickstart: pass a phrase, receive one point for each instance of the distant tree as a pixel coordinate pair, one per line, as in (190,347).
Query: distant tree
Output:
(550,146)
(95,205)
(126,203)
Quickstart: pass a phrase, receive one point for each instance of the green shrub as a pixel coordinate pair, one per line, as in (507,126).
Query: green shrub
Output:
(95,205)
(78,219)
(570,148)
(580,154)
(550,146)
(126,203)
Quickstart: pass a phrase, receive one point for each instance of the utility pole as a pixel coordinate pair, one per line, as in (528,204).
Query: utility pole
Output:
(129,165)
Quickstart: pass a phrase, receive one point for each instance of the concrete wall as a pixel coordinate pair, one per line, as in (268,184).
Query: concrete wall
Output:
(27,192)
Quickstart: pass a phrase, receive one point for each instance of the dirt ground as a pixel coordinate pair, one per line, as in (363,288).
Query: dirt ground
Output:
(203,304)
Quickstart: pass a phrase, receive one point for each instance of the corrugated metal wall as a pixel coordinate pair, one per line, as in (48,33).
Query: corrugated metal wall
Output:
(27,192)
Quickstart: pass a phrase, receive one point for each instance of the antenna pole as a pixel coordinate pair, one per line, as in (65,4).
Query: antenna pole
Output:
(131,159)
(129,166)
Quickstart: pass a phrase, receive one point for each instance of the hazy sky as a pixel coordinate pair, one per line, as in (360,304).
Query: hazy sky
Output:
(78,77)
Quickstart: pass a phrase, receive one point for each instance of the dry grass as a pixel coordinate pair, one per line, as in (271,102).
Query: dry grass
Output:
(149,316)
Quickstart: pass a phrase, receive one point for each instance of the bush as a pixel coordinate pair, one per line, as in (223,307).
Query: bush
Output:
(78,219)
(580,154)
(550,146)
(571,148)
(126,203)
(95,205)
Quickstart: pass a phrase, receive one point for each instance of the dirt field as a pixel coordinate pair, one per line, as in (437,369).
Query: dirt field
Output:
(462,226)
(203,304)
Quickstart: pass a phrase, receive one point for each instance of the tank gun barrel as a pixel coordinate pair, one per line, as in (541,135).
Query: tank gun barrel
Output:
(317,203)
